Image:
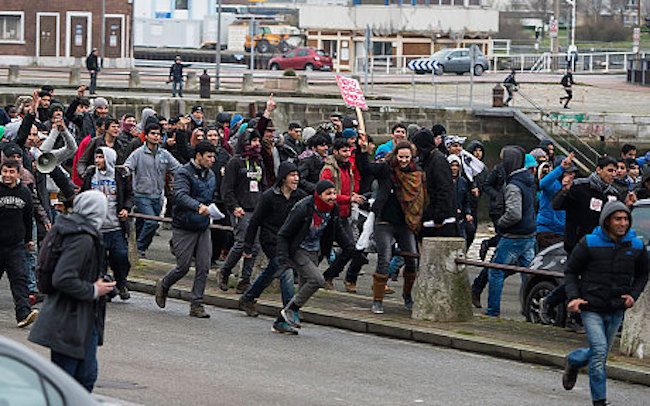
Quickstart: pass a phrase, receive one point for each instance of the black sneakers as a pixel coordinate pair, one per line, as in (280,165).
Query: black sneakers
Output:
(161,294)
(570,376)
(222,280)
(29,319)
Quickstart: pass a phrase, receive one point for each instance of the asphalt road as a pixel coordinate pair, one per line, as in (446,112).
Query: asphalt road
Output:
(164,357)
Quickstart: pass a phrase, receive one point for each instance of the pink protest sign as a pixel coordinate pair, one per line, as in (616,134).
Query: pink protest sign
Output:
(351,92)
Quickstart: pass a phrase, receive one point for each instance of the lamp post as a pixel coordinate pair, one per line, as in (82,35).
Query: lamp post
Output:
(217,60)
(572,48)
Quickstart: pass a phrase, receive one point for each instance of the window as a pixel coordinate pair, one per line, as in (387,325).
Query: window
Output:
(182,4)
(290,54)
(12,26)
(19,384)
(303,52)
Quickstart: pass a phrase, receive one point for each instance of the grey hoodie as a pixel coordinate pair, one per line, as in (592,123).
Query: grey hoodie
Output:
(91,205)
(104,181)
(146,114)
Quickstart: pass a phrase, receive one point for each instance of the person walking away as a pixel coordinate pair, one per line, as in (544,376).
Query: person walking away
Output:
(149,165)
(400,203)
(511,86)
(517,224)
(339,171)
(241,189)
(92,64)
(605,274)
(176,76)
(307,236)
(71,323)
(16,214)
(269,216)
(194,188)
(105,178)
(567,82)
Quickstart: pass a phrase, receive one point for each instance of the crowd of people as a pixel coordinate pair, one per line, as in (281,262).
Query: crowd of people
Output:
(71,176)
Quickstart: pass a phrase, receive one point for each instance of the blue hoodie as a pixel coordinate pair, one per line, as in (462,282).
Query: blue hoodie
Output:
(547,218)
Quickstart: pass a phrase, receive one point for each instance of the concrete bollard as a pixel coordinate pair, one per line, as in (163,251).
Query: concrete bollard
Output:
(192,81)
(247,83)
(134,256)
(13,74)
(303,84)
(442,291)
(635,339)
(75,76)
(134,78)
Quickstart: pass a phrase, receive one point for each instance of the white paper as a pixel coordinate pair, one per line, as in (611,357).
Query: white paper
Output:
(215,214)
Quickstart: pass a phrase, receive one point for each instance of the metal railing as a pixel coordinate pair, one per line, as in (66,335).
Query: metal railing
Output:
(162,219)
(509,268)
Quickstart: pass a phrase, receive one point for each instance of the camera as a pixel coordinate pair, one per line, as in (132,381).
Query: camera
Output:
(109,278)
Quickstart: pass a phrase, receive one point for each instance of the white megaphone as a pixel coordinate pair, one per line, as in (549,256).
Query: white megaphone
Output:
(46,162)
(48,158)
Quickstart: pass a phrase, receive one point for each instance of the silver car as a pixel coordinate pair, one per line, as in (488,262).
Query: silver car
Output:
(456,60)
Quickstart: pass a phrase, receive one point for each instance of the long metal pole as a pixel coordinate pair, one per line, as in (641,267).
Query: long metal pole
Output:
(252,30)
(217,60)
(103,41)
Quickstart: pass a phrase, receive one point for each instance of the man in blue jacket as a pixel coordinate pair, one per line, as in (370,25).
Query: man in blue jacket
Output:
(194,187)
(605,274)
(550,222)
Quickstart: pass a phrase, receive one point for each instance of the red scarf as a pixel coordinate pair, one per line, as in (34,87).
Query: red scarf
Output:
(321,206)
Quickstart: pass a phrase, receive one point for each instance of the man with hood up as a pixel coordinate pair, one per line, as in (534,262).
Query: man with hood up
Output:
(517,224)
(241,189)
(71,321)
(270,213)
(119,194)
(605,275)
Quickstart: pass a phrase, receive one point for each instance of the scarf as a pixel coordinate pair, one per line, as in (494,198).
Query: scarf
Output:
(253,152)
(126,127)
(408,185)
(322,208)
(597,183)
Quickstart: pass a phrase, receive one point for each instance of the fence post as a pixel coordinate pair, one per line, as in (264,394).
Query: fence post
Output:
(247,83)
(75,76)
(606,62)
(635,339)
(13,74)
(134,78)
(442,291)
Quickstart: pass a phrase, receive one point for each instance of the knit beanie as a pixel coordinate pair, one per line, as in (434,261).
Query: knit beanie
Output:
(323,185)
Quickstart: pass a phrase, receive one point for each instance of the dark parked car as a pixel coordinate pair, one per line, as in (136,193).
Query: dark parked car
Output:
(456,60)
(302,58)
(554,257)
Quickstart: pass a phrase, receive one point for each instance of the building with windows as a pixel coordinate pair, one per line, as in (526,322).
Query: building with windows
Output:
(399,30)
(63,32)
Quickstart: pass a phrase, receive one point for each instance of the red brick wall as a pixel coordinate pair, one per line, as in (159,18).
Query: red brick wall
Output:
(31,7)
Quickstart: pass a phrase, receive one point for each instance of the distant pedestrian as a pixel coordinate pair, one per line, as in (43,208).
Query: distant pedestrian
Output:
(511,86)
(567,82)
(194,189)
(176,76)
(605,275)
(71,323)
(92,64)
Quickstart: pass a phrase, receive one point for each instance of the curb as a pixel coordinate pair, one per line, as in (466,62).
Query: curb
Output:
(395,330)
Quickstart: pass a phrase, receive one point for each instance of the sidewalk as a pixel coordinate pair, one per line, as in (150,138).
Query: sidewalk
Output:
(520,341)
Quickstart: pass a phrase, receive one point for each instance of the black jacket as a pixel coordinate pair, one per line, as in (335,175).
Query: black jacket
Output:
(92,63)
(193,186)
(270,213)
(493,186)
(68,315)
(600,270)
(16,214)
(236,184)
(180,149)
(124,192)
(85,122)
(296,227)
(221,159)
(309,169)
(582,203)
(120,146)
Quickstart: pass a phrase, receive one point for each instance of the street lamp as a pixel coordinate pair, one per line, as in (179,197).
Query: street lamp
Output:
(217,59)
(572,48)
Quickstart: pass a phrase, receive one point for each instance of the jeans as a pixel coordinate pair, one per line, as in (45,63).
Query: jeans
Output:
(266,277)
(118,256)
(177,83)
(384,235)
(239,230)
(510,251)
(187,244)
(145,230)
(84,370)
(93,82)
(12,261)
(31,258)
(601,330)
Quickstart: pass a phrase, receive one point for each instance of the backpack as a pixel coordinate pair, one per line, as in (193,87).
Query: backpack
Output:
(565,81)
(48,256)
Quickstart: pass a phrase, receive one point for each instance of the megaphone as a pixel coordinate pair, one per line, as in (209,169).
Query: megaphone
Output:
(46,162)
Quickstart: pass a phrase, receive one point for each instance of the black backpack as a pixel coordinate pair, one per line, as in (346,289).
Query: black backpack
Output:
(565,81)
(48,256)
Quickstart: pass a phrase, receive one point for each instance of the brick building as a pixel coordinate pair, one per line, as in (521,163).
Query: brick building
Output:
(63,32)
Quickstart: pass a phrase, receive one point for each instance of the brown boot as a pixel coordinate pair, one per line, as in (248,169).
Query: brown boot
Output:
(350,287)
(378,286)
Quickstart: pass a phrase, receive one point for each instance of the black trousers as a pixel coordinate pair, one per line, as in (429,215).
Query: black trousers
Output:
(12,261)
